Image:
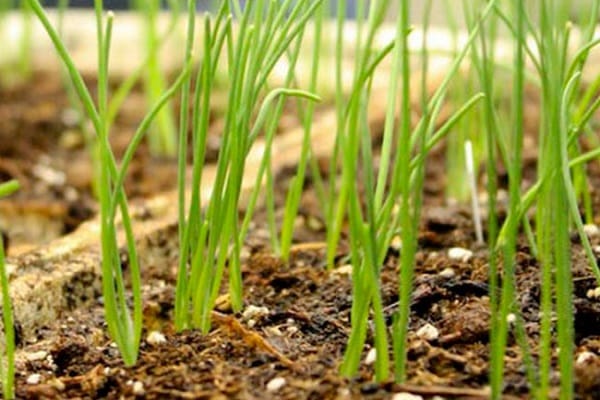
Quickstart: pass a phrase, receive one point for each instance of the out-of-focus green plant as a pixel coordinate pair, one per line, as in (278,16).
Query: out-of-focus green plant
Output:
(162,138)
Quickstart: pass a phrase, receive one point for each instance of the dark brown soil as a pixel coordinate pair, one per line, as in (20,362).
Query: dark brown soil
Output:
(291,348)
(41,145)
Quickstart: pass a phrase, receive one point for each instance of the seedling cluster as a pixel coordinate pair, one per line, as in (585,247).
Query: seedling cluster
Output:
(244,42)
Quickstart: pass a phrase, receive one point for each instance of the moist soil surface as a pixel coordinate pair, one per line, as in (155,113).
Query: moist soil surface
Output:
(290,339)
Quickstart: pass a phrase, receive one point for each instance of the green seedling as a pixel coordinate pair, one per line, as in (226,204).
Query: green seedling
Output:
(7,364)
(162,139)
(124,327)
(212,238)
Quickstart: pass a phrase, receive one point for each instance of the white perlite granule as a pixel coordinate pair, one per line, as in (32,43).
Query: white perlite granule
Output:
(138,388)
(155,337)
(406,396)
(428,332)
(275,384)
(33,379)
(460,254)
(371,357)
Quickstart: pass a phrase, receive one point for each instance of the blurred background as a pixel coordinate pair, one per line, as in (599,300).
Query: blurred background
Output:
(125,4)
(443,10)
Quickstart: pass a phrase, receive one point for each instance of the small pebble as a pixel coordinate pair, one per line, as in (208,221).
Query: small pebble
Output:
(138,388)
(593,293)
(155,337)
(10,269)
(71,194)
(36,356)
(275,384)
(244,254)
(253,311)
(591,230)
(274,330)
(371,357)
(406,396)
(223,303)
(49,175)
(396,243)
(70,116)
(584,356)
(345,269)
(460,254)
(428,332)
(447,273)
(33,379)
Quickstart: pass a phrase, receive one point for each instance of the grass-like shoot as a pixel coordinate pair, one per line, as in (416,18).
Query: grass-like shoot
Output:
(212,238)
(124,326)
(7,363)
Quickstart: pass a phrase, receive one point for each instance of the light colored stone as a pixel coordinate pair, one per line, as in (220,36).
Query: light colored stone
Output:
(49,175)
(36,356)
(585,356)
(591,230)
(274,331)
(70,117)
(155,337)
(138,388)
(371,357)
(275,384)
(253,311)
(448,273)
(593,293)
(10,269)
(34,379)
(460,254)
(406,396)
(396,243)
(428,332)
(345,269)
